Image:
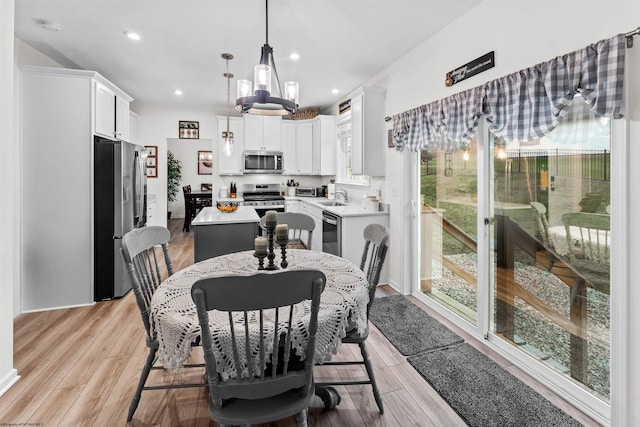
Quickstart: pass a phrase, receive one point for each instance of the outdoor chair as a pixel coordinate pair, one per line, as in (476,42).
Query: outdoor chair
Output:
(543,224)
(141,251)
(376,238)
(300,225)
(262,388)
(589,242)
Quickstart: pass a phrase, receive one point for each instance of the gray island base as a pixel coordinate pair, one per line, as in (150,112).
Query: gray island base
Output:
(218,233)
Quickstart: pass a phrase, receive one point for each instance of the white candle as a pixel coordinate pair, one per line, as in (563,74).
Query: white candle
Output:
(282,232)
(260,244)
(271,218)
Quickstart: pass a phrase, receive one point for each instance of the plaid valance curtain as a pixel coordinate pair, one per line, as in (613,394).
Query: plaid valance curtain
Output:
(522,106)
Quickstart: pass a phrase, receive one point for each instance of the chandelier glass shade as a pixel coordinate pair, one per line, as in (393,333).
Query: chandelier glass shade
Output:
(256,97)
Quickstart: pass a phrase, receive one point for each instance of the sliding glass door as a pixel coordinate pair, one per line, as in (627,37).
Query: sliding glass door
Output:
(551,245)
(527,235)
(448,221)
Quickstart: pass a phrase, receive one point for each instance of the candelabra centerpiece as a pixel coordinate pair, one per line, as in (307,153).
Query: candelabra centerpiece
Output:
(277,234)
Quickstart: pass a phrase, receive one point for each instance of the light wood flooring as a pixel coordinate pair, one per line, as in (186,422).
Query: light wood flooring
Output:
(80,367)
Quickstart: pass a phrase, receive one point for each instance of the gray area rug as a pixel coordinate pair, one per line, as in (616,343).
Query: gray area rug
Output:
(409,328)
(483,393)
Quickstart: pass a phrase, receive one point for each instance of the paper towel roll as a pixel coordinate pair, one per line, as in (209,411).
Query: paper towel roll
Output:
(331,190)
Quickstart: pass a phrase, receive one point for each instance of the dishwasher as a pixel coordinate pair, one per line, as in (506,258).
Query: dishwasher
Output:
(331,233)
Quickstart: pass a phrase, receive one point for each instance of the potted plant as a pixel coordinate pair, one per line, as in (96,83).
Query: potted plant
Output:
(174,176)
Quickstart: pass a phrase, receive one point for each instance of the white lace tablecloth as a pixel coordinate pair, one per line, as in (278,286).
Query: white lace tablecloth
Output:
(175,322)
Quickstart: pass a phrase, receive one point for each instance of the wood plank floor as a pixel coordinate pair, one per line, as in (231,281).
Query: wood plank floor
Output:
(80,367)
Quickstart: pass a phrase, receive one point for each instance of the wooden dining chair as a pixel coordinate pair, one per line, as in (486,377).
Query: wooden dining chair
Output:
(269,382)
(145,253)
(542,222)
(301,228)
(376,243)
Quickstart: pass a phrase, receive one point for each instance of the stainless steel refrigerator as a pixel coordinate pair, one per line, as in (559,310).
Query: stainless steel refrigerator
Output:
(119,206)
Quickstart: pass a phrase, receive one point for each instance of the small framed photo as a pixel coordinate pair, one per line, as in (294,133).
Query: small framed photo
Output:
(152,161)
(205,163)
(188,129)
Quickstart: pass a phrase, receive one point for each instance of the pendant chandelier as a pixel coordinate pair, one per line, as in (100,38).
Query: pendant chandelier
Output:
(227,136)
(256,98)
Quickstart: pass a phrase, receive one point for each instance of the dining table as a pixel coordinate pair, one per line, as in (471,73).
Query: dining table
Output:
(174,318)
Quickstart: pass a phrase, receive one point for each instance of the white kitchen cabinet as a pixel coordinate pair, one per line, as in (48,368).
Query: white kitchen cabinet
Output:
(316,213)
(231,165)
(133,128)
(262,133)
(111,112)
(297,147)
(352,241)
(324,145)
(292,206)
(368,136)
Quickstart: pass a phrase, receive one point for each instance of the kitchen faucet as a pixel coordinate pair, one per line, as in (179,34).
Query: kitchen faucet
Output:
(344,194)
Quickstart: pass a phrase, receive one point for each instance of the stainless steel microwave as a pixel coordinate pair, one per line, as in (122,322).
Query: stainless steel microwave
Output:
(262,162)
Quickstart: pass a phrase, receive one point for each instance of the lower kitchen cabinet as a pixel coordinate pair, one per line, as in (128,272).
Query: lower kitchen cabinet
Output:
(316,213)
(218,239)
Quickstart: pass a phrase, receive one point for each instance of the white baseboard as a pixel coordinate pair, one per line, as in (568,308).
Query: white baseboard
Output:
(8,380)
(58,308)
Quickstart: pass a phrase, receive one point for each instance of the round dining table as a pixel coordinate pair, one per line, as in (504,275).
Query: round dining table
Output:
(175,322)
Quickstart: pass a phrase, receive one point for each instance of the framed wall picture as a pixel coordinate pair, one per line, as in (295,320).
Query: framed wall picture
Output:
(188,129)
(152,161)
(205,163)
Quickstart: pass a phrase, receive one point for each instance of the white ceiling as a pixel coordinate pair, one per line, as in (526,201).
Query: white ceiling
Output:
(342,43)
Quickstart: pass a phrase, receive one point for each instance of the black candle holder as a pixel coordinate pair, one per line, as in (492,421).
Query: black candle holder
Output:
(283,247)
(261,258)
(271,228)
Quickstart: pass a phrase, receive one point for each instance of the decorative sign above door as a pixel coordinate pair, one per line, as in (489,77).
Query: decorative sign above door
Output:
(469,69)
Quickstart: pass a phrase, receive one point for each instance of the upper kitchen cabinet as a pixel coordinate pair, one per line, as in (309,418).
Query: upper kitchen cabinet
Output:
(297,147)
(111,112)
(368,131)
(324,145)
(230,163)
(262,133)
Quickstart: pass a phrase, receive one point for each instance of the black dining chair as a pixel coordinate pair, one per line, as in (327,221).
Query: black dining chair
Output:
(145,253)
(376,238)
(191,207)
(269,382)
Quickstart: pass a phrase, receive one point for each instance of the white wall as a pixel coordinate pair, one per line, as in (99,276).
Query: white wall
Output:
(156,123)
(522,34)
(186,151)
(23,55)
(9,265)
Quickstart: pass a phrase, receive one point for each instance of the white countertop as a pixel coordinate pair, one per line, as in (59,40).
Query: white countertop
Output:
(211,215)
(351,209)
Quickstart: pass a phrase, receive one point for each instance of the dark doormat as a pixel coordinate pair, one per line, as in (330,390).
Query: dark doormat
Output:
(410,329)
(483,393)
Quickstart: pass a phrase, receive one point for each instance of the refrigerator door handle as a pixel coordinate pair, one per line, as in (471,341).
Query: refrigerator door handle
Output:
(136,208)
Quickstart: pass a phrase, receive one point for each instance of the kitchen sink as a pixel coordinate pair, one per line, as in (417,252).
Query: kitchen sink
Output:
(332,203)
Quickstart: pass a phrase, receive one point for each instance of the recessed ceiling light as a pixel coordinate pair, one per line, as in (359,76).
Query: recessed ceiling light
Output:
(335,91)
(132,36)
(177,92)
(294,56)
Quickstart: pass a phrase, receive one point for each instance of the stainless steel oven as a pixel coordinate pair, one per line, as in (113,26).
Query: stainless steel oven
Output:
(263,198)
(331,233)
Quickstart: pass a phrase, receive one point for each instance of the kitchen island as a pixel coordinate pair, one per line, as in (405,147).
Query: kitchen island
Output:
(217,233)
